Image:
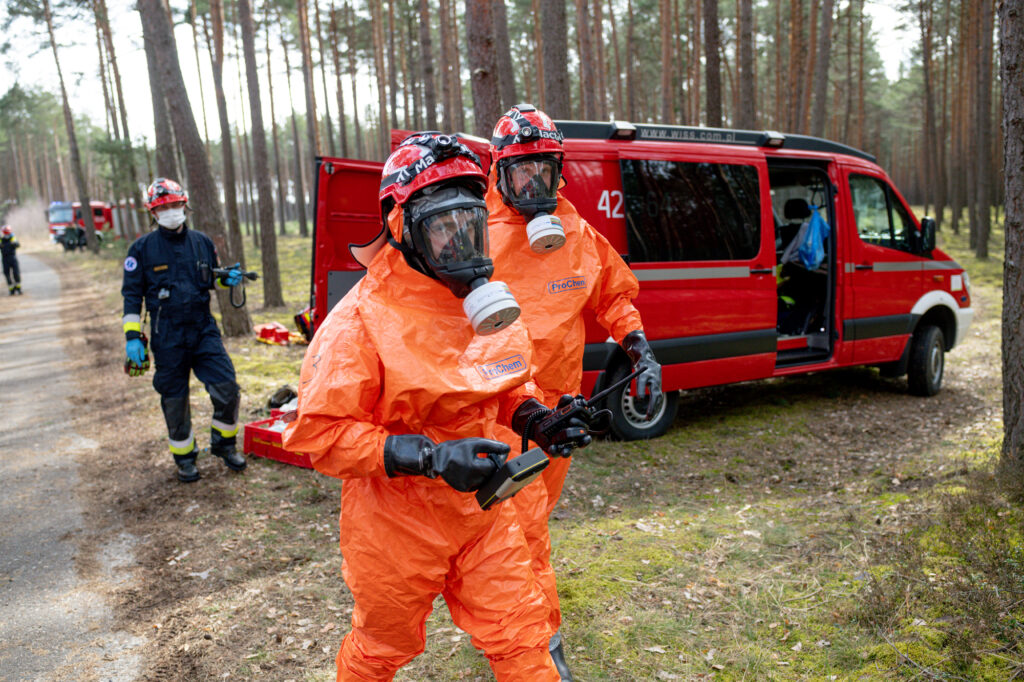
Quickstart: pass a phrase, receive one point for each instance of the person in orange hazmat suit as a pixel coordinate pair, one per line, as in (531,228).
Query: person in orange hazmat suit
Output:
(400,395)
(557,265)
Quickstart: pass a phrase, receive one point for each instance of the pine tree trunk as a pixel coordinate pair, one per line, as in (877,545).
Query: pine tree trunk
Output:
(328,125)
(860,80)
(821,70)
(447,60)
(427,64)
(1011,33)
(480,52)
(696,80)
(383,137)
(203,195)
(984,139)
(199,72)
(503,57)
(163,147)
(76,161)
(312,125)
(554,47)
(268,242)
(807,77)
(712,62)
(350,41)
(584,38)
(630,61)
(300,194)
(665,21)
(132,186)
(335,41)
(747,110)
(538,58)
(412,89)
(216,44)
(460,111)
(616,66)
(279,170)
(928,133)
(597,41)
(392,69)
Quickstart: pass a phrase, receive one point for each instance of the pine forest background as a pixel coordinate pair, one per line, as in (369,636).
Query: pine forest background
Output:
(797,66)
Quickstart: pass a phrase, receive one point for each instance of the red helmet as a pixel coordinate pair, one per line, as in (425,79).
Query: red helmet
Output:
(164,191)
(524,129)
(423,159)
(420,160)
(6,231)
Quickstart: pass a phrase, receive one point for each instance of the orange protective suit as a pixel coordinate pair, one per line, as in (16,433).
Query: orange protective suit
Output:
(553,289)
(397,356)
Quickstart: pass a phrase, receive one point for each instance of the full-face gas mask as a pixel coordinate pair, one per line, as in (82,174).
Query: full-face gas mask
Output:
(441,227)
(529,184)
(527,152)
(447,225)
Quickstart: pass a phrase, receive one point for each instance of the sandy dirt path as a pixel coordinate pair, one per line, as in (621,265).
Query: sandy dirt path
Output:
(54,622)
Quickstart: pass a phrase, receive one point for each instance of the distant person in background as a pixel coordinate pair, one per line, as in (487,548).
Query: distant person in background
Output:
(8,245)
(171,269)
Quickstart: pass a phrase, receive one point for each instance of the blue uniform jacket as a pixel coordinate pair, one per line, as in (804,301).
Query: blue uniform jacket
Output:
(172,273)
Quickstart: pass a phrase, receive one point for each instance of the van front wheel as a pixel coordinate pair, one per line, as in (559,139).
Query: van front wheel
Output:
(629,412)
(927,361)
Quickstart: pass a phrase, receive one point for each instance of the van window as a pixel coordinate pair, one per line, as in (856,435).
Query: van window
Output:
(874,206)
(684,211)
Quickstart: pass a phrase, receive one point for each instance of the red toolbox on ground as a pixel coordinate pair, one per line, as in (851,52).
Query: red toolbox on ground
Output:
(262,441)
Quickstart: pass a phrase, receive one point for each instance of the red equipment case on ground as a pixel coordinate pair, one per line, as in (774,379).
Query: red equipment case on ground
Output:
(262,441)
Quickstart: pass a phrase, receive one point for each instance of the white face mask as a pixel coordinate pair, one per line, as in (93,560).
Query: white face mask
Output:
(170,218)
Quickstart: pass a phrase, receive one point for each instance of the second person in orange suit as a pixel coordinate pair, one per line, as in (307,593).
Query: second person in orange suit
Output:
(557,266)
(400,395)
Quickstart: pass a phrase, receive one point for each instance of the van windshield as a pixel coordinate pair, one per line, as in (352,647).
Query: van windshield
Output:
(60,214)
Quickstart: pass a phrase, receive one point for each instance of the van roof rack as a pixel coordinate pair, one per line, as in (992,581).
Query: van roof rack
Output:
(622,130)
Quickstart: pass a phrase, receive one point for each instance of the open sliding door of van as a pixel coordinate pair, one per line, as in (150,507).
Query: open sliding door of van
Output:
(346,212)
(700,239)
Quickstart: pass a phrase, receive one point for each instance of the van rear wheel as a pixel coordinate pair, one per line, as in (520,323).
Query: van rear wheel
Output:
(629,412)
(927,361)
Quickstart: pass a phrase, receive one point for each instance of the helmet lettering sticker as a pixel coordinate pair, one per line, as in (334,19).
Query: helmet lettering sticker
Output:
(130,264)
(513,364)
(557,286)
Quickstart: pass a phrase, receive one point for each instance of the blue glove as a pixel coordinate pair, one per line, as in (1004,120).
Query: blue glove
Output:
(234,276)
(136,351)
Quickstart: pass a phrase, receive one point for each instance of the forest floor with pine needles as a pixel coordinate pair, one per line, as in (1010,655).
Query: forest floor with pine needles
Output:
(820,527)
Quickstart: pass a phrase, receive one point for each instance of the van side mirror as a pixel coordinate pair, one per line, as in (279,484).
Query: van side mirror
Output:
(926,243)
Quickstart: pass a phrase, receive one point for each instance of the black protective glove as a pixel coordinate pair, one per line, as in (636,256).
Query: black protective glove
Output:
(455,461)
(649,380)
(557,438)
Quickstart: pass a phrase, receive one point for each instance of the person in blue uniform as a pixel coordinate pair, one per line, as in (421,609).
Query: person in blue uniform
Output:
(8,246)
(171,270)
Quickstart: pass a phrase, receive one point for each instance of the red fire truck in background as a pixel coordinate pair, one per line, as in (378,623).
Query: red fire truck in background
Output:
(67,224)
(708,220)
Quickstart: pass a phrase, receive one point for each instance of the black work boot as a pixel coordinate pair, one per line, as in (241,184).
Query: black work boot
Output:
(187,472)
(232,459)
(558,656)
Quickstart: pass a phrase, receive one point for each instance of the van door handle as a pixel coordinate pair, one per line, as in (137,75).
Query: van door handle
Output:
(760,271)
(863,266)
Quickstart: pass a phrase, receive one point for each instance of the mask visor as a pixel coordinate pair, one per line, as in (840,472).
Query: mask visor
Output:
(455,236)
(449,226)
(532,177)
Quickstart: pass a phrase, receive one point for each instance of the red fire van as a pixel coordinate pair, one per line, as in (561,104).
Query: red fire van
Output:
(717,226)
